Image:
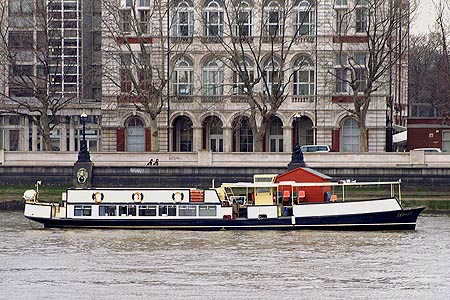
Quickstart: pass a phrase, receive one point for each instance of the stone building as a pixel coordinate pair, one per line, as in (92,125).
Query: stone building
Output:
(308,50)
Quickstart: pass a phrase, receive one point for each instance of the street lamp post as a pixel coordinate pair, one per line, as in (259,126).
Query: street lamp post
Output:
(83,154)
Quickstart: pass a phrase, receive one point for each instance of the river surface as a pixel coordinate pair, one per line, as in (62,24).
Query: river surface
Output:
(37,263)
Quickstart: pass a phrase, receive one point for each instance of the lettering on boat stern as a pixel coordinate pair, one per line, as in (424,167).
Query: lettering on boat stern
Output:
(137,170)
(404,214)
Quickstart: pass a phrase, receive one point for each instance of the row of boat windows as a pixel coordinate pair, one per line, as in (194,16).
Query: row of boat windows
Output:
(148,210)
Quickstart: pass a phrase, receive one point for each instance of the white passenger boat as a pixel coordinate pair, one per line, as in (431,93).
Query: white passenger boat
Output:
(269,202)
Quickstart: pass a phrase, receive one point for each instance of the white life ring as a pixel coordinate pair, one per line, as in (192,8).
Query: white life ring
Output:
(177,197)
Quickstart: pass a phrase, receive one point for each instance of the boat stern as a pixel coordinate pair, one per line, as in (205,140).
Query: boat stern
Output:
(35,210)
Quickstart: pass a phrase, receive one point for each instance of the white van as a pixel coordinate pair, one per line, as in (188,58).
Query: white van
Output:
(315,148)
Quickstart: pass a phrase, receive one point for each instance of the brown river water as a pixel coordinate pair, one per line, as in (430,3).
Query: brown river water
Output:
(37,263)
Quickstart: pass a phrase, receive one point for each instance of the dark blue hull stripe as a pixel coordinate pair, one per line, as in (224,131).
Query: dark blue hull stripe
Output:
(404,219)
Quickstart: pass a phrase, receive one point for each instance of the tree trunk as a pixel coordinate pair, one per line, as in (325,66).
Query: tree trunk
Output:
(363,145)
(260,136)
(45,133)
(154,135)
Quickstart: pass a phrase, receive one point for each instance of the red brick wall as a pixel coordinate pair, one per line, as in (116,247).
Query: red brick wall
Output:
(424,138)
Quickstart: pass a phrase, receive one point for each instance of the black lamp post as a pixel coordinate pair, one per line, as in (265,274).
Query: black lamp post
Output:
(83,154)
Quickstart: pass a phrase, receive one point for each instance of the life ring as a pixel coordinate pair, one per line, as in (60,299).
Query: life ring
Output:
(98,197)
(137,197)
(177,197)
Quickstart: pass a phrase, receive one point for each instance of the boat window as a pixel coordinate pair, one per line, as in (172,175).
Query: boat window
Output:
(127,210)
(207,210)
(168,210)
(107,210)
(82,210)
(188,210)
(147,210)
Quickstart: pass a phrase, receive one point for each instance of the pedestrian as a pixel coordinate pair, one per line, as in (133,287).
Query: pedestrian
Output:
(150,163)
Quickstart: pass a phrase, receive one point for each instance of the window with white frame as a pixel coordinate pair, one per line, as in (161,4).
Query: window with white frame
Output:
(21,7)
(350,136)
(273,19)
(245,135)
(243,77)
(213,78)
(144,17)
(341,75)
(360,70)
(183,77)
(361,19)
(305,20)
(303,79)
(274,77)
(184,20)
(144,3)
(125,20)
(244,19)
(446,140)
(213,18)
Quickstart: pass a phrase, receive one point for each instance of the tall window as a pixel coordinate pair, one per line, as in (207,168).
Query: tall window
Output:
(273,19)
(213,78)
(213,19)
(276,135)
(303,80)
(340,2)
(183,77)
(350,136)
(361,20)
(184,133)
(214,129)
(360,71)
(144,17)
(135,135)
(245,135)
(274,78)
(125,20)
(244,19)
(184,20)
(341,74)
(145,3)
(305,21)
(243,77)
(125,73)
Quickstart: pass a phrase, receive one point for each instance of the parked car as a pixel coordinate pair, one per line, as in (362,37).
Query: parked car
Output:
(315,148)
(428,149)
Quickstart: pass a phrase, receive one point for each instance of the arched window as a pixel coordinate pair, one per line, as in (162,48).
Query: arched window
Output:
(350,136)
(183,77)
(184,19)
(305,20)
(135,135)
(213,128)
(213,78)
(274,77)
(213,19)
(243,77)
(183,134)
(303,81)
(244,135)
(303,131)
(276,135)
(244,19)
(273,19)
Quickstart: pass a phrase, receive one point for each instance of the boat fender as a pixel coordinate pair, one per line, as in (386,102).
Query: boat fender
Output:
(177,197)
(137,197)
(97,197)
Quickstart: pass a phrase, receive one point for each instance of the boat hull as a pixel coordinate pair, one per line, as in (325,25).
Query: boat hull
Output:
(404,219)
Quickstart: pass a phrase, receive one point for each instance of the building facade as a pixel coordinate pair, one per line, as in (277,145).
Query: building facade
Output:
(303,52)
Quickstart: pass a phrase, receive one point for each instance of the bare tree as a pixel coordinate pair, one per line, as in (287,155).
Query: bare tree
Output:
(137,53)
(429,72)
(31,48)
(382,31)
(257,45)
